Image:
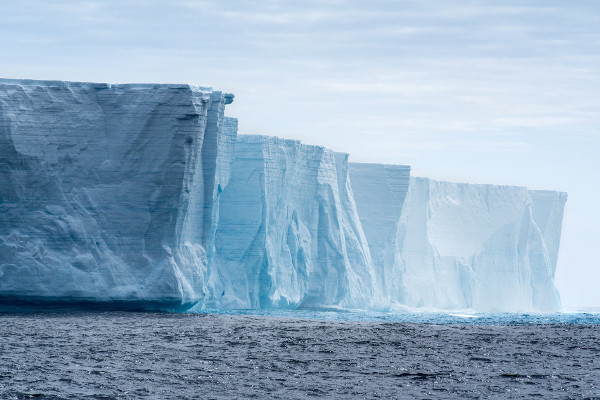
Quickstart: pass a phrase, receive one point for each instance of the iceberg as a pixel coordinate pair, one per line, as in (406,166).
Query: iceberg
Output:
(288,234)
(143,196)
(462,246)
(107,191)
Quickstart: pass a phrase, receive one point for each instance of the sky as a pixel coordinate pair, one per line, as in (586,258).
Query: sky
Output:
(504,92)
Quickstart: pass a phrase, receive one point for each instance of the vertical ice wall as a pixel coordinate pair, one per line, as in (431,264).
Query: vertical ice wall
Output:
(380,191)
(475,246)
(288,233)
(455,245)
(98,184)
(547,208)
(224,162)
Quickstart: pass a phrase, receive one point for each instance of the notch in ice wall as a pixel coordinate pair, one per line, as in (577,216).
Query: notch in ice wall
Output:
(98,184)
(379,191)
(288,233)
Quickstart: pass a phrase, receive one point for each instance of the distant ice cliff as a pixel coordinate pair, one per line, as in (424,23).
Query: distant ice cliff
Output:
(457,246)
(143,196)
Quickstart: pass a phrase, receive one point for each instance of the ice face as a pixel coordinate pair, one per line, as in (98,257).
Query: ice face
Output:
(144,196)
(288,233)
(457,246)
(99,185)
(379,191)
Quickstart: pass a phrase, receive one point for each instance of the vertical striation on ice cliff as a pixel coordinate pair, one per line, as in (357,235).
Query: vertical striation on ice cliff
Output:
(288,233)
(98,186)
(380,190)
(458,245)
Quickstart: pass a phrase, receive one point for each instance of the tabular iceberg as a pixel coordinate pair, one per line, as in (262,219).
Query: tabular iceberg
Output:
(106,191)
(288,232)
(458,246)
(143,196)
(476,246)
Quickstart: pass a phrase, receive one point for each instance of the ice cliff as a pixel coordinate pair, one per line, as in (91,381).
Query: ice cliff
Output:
(379,191)
(288,233)
(450,245)
(143,196)
(107,192)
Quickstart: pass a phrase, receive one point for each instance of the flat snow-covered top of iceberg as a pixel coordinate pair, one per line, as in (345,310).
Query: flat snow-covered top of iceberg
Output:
(487,185)
(131,86)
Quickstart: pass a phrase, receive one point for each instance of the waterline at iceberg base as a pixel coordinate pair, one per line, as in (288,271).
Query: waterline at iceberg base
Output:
(143,196)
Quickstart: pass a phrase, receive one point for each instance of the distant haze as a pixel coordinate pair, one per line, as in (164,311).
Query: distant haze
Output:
(504,92)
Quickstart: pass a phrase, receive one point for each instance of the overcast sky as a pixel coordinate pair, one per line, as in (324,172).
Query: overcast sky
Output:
(504,92)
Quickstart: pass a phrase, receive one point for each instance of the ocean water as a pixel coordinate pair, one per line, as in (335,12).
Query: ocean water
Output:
(298,355)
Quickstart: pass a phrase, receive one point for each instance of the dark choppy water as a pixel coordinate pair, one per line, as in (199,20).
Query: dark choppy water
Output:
(212,356)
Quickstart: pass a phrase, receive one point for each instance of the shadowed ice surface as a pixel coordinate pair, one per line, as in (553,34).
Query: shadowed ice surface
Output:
(296,355)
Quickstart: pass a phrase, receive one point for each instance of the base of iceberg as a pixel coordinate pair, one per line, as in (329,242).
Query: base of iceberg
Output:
(143,197)
(22,304)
